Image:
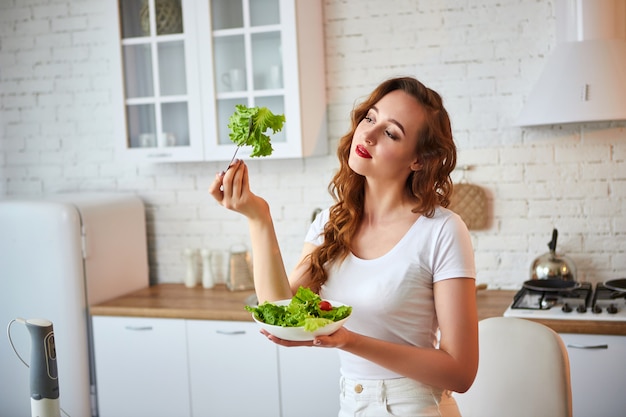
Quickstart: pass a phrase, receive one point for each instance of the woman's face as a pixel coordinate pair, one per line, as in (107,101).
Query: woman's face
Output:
(384,143)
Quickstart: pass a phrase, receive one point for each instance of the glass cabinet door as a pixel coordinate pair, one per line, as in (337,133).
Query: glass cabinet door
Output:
(247,60)
(186,64)
(156,57)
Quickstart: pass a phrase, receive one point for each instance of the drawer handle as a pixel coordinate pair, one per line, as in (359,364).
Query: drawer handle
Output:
(138,328)
(575,346)
(233,332)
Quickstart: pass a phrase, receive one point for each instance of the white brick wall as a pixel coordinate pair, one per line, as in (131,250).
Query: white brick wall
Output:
(57,77)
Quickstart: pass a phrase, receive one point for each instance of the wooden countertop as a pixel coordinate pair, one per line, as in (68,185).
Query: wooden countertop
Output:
(218,303)
(179,302)
(493,303)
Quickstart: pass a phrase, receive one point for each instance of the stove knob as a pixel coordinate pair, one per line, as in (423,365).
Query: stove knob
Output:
(612,309)
(566,308)
(597,309)
(581,308)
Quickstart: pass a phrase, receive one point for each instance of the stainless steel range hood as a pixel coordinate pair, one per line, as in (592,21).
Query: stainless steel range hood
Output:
(585,77)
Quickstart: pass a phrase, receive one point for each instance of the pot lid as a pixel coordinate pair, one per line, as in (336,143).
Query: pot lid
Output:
(550,285)
(616,284)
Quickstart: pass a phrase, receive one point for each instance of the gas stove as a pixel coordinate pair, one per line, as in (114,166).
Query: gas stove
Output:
(584,302)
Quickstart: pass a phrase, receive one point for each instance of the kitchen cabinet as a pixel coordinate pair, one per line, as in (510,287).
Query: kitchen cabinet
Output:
(233,370)
(141,367)
(205,368)
(161,79)
(309,381)
(598,379)
(186,64)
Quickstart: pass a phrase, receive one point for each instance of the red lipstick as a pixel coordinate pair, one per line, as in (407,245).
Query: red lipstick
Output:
(362,152)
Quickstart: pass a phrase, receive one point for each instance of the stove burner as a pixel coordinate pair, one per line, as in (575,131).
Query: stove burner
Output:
(536,299)
(585,302)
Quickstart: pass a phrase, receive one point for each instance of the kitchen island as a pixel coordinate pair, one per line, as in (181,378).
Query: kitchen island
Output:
(218,303)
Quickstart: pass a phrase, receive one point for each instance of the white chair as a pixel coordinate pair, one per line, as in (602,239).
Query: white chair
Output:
(523,371)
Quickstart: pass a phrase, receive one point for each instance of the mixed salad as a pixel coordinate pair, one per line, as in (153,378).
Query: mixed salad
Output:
(306,309)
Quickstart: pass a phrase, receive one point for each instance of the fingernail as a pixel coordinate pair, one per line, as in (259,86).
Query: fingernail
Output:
(221,174)
(317,342)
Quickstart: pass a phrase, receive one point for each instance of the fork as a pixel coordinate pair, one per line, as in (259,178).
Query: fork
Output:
(239,146)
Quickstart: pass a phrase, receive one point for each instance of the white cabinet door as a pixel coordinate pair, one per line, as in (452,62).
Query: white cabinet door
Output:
(141,367)
(265,53)
(233,370)
(597,371)
(161,81)
(309,381)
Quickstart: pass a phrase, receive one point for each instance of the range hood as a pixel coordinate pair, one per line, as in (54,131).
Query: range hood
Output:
(585,77)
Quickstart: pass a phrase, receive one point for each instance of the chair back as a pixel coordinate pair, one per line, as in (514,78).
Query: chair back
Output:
(523,371)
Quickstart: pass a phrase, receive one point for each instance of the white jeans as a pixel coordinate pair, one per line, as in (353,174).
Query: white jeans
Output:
(394,397)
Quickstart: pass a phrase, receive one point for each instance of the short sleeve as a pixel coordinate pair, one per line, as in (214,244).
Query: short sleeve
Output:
(454,255)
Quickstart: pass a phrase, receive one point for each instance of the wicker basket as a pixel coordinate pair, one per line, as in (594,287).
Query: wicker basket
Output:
(169,17)
(470,202)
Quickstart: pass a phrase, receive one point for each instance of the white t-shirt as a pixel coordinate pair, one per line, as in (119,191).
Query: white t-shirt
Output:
(392,296)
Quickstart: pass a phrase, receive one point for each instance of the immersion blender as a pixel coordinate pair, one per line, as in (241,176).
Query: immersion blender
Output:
(44,378)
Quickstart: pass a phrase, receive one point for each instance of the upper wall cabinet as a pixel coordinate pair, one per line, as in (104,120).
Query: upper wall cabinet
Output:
(161,80)
(187,63)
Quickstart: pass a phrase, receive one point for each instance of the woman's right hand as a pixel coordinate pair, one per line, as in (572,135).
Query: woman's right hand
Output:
(231,189)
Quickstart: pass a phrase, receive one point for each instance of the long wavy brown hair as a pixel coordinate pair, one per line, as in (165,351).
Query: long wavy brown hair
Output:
(430,186)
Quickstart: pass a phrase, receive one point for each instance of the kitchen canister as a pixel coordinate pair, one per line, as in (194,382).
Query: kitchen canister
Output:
(239,269)
(207,270)
(191,278)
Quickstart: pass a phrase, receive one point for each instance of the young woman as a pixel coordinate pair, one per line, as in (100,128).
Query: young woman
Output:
(389,248)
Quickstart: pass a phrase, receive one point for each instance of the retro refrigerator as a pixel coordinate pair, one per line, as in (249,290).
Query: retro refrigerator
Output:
(59,255)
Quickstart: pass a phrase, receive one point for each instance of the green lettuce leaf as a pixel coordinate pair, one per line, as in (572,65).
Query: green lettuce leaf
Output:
(313,323)
(262,121)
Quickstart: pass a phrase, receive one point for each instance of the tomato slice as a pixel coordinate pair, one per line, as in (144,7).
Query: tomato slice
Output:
(325,305)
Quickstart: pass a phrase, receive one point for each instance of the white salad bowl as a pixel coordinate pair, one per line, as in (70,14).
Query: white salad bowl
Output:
(298,334)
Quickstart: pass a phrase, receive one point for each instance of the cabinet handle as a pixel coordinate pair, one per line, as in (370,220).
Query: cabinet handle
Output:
(575,346)
(233,332)
(138,328)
